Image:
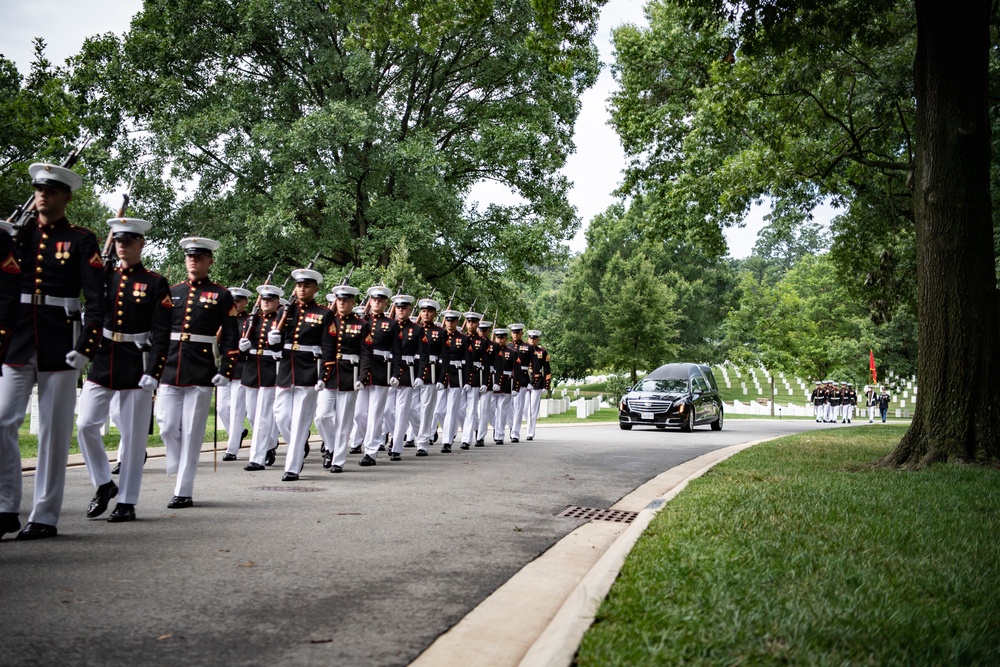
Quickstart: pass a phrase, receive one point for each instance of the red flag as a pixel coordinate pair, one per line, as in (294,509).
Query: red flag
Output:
(871,366)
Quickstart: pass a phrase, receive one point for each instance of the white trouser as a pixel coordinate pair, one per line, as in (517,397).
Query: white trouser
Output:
(283,412)
(439,410)
(534,401)
(375,427)
(428,403)
(518,412)
(303,411)
(56,401)
(487,410)
(501,415)
(223,404)
(389,421)
(360,424)
(260,405)
(452,410)
(182,413)
(405,416)
(872,411)
(471,421)
(334,422)
(133,423)
(848,412)
(237,413)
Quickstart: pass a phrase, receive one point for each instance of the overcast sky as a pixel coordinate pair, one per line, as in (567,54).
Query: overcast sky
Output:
(595,169)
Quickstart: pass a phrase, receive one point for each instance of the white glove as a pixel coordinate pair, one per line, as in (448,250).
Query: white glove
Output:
(438,386)
(393,382)
(77,360)
(149,383)
(320,386)
(273,337)
(245,344)
(466,388)
(496,387)
(359,385)
(482,389)
(417,382)
(220,380)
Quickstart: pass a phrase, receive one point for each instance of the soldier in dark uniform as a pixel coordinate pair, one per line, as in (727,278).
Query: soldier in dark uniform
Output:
(836,402)
(479,378)
(504,364)
(541,376)
(232,398)
(458,372)
(407,366)
(378,371)
(301,336)
(850,401)
(343,340)
(127,364)
(58,261)
(10,288)
(522,380)
(487,402)
(431,375)
(259,375)
(203,314)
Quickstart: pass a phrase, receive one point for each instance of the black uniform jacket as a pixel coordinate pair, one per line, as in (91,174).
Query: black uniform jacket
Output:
(432,354)
(482,363)
(58,260)
(540,369)
(409,363)
(503,364)
(241,358)
(342,350)
(261,367)
(458,359)
(203,309)
(10,290)
(380,352)
(136,301)
(818,397)
(302,344)
(522,364)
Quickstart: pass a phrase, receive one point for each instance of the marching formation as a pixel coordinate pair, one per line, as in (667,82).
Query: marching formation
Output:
(378,376)
(834,401)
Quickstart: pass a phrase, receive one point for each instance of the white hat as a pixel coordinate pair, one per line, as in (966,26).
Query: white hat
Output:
(379,290)
(534,333)
(500,332)
(43,173)
(240,292)
(471,315)
(485,324)
(359,311)
(428,303)
(270,291)
(344,292)
(283,301)
(403,300)
(300,275)
(129,227)
(451,314)
(197,245)
(517,326)
(331,297)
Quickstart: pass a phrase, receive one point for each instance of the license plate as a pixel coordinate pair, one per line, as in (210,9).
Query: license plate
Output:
(646,416)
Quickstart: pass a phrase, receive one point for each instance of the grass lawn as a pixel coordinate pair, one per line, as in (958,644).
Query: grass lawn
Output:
(569,417)
(797,552)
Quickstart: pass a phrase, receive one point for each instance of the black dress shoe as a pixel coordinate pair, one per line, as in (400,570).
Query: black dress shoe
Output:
(394,456)
(366,461)
(290,477)
(446,449)
(435,437)
(243,435)
(228,457)
(480,443)
(322,447)
(37,531)
(514,440)
(9,523)
(356,449)
(381,448)
(306,455)
(122,512)
(117,469)
(105,492)
(336,469)
(498,442)
(269,457)
(327,459)
(180,502)
(409,444)
(465,445)
(254,467)
(421,452)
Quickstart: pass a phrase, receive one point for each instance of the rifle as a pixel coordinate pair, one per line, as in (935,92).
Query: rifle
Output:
(392,309)
(109,245)
(255,311)
(448,307)
(470,308)
(24,218)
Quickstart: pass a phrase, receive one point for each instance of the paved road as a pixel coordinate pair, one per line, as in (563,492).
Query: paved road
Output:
(363,568)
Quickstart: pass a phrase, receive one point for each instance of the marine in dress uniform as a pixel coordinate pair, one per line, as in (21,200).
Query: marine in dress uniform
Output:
(343,340)
(487,402)
(431,372)
(522,380)
(203,315)
(479,378)
(301,338)
(127,365)
(541,375)
(232,397)
(836,402)
(360,424)
(850,402)
(871,401)
(818,398)
(58,261)
(458,377)
(260,373)
(10,287)
(408,365)
(378,372)
(504,363)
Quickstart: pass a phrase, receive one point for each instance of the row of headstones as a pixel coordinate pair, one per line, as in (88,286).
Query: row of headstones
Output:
(804,388)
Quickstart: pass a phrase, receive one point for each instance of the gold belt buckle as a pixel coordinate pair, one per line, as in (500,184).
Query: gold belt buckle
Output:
(185,337)
(295,347)
(118,337)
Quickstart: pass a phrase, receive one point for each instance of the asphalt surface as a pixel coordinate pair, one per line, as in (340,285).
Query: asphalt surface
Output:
(363,568)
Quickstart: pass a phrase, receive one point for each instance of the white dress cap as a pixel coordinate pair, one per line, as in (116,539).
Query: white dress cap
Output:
(135,227)
(270,290)
(300,275)
(43,173)
(198,245)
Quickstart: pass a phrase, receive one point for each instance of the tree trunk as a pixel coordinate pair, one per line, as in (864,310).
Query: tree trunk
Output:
(958,410)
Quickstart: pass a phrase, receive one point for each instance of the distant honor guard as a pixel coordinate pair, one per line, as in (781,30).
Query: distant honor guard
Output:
(522,380)
(408,365)
(378,372)
(479,379)
(232,398)
(432,376)
(127,364)
(457,366)
(487,403)
(503,383)
(203,314)
(541,376)
(260,373)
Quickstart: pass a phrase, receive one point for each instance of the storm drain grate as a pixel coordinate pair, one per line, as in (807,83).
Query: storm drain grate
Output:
(288,489)
(595,514)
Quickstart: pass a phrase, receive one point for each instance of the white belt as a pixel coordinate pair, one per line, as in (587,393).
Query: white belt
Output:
(508,372)
(433,357)
(264,353)
(385,354)
(524,368)
(69,303)
(458,363)
(295,347)
(138,339)
(477,364)
(193,338)
(409,359)
(353,358)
